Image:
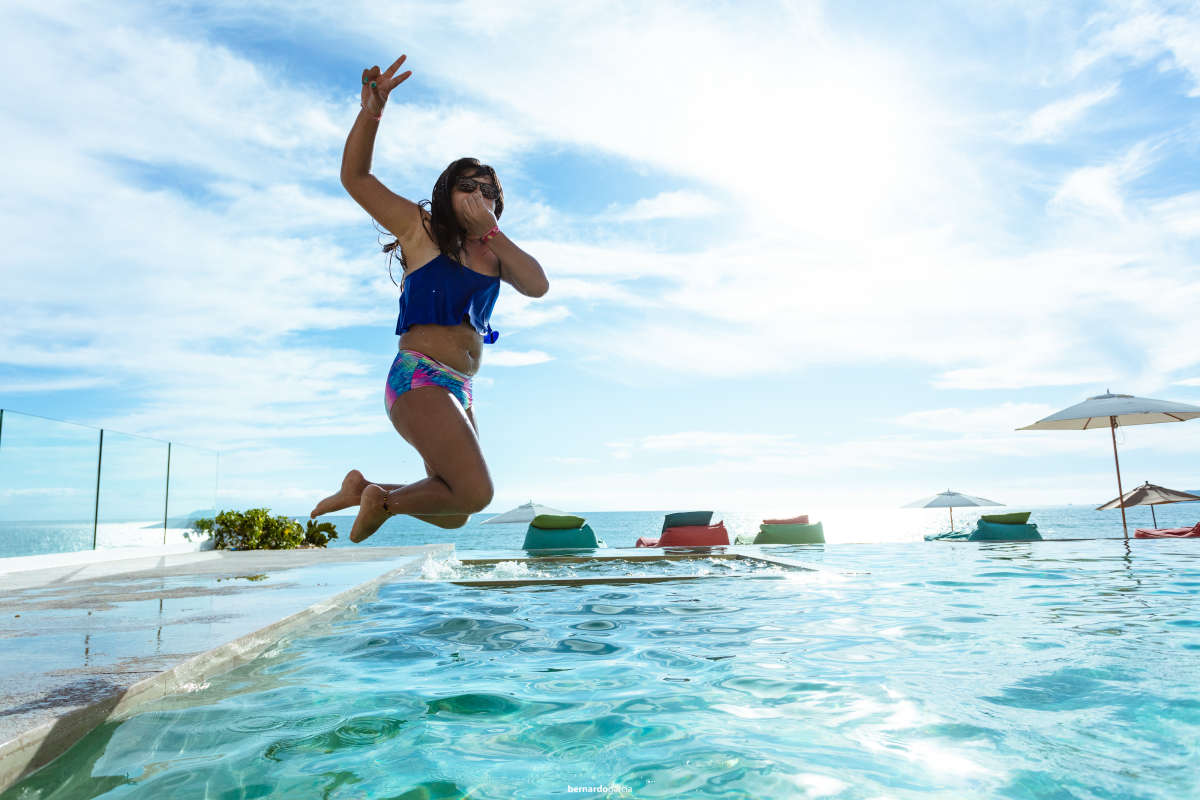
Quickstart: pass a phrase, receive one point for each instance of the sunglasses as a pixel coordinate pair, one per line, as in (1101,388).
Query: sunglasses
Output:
(469,186)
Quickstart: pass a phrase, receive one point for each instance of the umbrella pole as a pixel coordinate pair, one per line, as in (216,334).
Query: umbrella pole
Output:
(1112,422)
(951,519)
(1153,516)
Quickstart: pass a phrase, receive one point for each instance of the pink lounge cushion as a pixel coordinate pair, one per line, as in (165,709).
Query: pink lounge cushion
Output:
(695,535)
(800,520)
(646,542)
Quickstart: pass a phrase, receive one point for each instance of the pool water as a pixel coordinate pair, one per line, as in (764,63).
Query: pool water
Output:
(1015,670)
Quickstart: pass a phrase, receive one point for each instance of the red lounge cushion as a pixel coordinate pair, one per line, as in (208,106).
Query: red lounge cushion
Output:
(800,520)
(1167,533)
(646,542)
(695,536)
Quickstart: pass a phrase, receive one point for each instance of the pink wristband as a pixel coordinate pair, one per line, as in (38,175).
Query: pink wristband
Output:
(492,234)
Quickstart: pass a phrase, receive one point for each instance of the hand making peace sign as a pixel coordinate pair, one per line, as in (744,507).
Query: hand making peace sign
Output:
(377,86)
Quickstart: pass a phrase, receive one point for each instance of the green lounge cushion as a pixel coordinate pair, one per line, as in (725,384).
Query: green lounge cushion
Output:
(790,534)
(557,522)
(686,519)
(1012,518)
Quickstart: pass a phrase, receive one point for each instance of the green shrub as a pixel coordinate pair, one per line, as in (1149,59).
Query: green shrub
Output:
(318,534)
(256,529)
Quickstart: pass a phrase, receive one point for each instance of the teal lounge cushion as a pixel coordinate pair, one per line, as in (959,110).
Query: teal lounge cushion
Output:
(1012,518)
(998,532)
(686,519)
(557,522)
(540,539)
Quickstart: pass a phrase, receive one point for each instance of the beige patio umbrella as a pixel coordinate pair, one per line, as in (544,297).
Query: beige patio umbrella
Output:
(522,513)
(1151,495)
(949,499)
(1110,411)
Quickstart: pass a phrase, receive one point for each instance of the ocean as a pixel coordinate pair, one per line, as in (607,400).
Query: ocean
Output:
(843,526)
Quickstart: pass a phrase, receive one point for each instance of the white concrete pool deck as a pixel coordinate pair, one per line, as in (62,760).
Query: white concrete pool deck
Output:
(86,639)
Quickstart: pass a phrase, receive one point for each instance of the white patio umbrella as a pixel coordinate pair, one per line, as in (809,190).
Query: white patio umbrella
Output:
(949,499)
(1151,495)
(522,513)
(1110,411)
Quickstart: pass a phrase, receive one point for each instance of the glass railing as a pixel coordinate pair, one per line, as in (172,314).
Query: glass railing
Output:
(67,487)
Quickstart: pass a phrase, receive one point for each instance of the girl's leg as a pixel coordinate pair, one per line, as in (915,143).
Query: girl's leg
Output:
(433,421)
(352,489)
(354,483)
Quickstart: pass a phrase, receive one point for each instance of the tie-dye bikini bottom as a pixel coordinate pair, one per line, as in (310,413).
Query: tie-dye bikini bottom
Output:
(412,370)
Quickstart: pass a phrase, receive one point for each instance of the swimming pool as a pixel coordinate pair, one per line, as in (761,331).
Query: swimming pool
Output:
(1046,669)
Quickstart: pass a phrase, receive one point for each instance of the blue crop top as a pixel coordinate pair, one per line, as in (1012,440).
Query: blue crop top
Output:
(443,292)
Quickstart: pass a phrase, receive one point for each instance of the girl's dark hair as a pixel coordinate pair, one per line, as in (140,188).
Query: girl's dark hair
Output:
(442,224)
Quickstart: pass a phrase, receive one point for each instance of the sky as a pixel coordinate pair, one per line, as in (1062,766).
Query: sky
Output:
(800,254)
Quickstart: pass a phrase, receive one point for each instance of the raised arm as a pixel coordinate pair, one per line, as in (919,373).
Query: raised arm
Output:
(517,268)
(399,215)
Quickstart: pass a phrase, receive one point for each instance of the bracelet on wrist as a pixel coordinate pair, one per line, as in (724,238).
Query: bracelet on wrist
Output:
(376,117)
(492,234)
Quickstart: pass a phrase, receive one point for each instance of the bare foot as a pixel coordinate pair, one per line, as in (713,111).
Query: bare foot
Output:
(370,513)
(352,488)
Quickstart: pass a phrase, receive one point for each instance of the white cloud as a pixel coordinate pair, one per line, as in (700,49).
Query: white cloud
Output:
(1145,32)
(719,444)
(1021,373)
(572,460)
(1050,122)
(1093,188)
(681,204)
(517,312)
(795,477)
(1006,417)
(1099,188)
(1180,214)
(53,385)
(517,358)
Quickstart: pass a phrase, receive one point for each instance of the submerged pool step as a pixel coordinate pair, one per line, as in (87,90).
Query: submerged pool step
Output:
(501,582)
(698,554)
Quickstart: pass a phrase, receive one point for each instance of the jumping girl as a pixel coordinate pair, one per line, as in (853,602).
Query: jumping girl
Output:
(454,257)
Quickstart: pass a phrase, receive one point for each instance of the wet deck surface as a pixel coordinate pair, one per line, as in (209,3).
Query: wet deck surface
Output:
(74,634)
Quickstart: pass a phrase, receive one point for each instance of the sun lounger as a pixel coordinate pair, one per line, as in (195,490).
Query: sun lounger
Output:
(1168,533)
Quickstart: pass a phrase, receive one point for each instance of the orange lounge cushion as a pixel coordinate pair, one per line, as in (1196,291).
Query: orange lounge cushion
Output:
(694,536)
(800,520)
